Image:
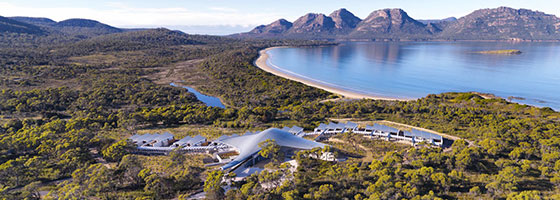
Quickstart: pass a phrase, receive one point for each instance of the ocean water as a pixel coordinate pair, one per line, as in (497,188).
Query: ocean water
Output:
(208,100)
(415,69)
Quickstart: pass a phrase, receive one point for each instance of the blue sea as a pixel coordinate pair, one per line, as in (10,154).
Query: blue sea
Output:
(416,69)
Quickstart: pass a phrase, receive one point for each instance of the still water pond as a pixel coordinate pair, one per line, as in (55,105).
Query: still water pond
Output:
(208,100)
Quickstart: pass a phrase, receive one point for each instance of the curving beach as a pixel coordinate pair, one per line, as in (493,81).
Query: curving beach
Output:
(261,62)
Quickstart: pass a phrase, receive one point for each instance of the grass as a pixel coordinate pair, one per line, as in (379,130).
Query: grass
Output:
(504,51)
(210,132)
(368,148)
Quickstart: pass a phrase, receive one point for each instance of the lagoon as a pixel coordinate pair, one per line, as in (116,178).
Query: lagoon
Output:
(406,70)
(208,100)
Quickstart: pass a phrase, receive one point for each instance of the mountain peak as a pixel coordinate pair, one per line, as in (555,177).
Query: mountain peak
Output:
(505,23)
(277,27)
(313,23)
(339,12)
(344,19)
(390,22)
(502,23)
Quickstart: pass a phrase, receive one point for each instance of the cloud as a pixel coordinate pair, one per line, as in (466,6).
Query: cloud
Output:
(119,14)
(223,9)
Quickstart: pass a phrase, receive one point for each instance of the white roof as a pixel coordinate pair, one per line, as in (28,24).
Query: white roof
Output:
(145,137)
(351,125)
(151,137)
(321,126)
(223,137)
(248,145)
(191,140)
(295,129)
(426,135)
(134,137)
(183,141)
(156,148)
(197,139)
(385,129)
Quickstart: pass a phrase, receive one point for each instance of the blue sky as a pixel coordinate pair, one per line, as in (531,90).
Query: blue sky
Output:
(228,16)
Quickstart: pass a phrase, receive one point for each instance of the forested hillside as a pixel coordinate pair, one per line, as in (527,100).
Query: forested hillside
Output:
(66,108)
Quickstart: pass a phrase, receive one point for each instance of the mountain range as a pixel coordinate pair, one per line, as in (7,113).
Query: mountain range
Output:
(501,23)
(83,28)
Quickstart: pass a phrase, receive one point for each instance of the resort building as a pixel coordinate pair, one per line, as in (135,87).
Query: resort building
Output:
(320,129)
(381,131)
(367,130)
(248,146)
(430,138)
(384,131)
(296,130)
(239,153)
(152,140)
(190,141)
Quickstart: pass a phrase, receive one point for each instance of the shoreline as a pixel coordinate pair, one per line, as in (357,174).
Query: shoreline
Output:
(261,63)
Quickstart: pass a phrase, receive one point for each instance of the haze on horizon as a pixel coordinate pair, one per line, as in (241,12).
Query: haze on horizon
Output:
(221,17)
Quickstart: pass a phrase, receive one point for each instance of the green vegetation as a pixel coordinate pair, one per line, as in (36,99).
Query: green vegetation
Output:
(271,150)
(66,107)
(505,51)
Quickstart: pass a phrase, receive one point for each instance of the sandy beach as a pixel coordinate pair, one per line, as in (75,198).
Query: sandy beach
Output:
(261,62)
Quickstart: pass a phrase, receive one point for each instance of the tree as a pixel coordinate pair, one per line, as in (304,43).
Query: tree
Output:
(491,146)
(116,151)
(269,149)
(128,171)
(93,180)
(326,191)
(505,181)
(31,191)
(441,181)
(13,172)
(525,195)
(213,185)
(177,158)
(467,157)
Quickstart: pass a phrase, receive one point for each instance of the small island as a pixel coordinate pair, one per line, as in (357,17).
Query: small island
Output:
(505,51)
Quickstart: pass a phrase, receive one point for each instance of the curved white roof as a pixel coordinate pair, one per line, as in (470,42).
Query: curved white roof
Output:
(248,145)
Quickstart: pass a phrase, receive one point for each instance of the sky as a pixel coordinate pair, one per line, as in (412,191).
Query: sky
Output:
(221,17)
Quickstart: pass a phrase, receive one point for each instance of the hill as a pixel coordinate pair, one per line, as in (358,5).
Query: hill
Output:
(12,26)
(80,28)
(85,27)
(134,40)
(37,21)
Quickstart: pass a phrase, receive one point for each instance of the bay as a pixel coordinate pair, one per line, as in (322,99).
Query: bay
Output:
(408,70)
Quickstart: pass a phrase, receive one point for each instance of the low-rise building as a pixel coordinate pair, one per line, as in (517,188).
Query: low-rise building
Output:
(248,145)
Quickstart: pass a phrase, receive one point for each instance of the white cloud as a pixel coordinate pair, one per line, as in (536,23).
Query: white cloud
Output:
(119,14)
(223,9)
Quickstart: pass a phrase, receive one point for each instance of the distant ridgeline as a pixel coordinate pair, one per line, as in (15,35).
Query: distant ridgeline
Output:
(45,26)
(394,24)
(19,31)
